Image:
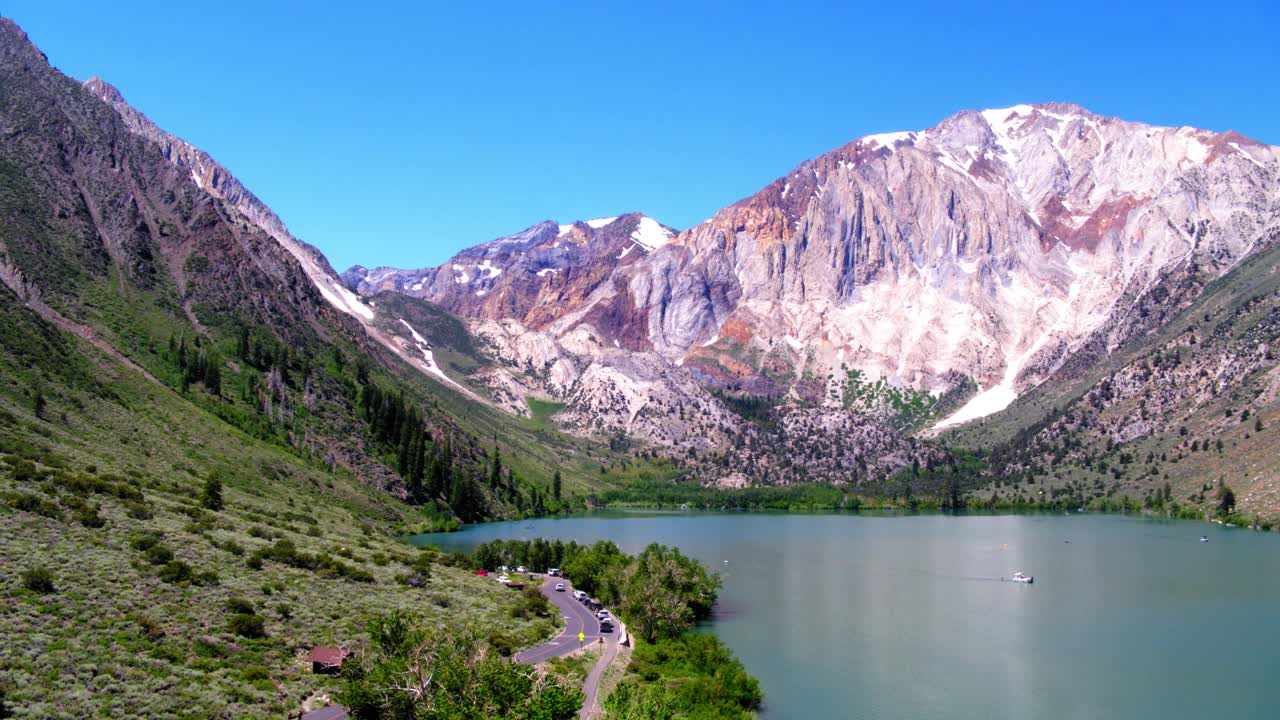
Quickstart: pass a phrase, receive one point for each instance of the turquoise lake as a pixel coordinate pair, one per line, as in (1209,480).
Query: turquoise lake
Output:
(867,616)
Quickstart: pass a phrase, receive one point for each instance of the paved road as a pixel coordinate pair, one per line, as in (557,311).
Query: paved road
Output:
(333,712)
(577,618)
(591,686)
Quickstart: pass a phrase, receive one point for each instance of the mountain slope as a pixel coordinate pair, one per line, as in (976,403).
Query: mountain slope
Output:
(988,247)
(907,279)
(102,472)
(1187,407)
(120,233)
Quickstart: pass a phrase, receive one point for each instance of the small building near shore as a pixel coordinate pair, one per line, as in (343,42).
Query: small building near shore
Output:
(327,660)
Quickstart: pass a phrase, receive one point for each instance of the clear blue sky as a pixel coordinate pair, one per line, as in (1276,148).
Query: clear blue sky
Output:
(398,133)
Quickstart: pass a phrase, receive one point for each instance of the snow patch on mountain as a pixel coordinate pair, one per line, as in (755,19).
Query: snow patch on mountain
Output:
(429,360)
(490,270)
(650,234)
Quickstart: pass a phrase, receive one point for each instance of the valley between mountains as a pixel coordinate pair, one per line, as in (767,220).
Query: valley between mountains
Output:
(212,444)
(991,309)
(877,308)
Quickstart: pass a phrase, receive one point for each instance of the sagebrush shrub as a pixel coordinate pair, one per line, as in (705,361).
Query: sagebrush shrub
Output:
(38,579)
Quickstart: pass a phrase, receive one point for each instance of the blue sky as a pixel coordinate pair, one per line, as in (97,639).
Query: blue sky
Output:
(399,133)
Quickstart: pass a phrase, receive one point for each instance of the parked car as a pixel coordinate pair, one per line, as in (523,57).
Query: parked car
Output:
(595,605)
(522,569)
(482,573)
(559,587)
(503,578)
(555,572)
(606,625)
(578,595)
(602,615)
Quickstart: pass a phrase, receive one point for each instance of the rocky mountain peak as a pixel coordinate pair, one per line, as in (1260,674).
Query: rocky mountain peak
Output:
(104,91)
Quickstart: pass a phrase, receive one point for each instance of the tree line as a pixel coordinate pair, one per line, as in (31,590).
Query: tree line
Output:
(659,593)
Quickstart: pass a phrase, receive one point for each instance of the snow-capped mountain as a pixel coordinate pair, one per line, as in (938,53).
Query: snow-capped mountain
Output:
(534,276)
(982,251)
(989,246)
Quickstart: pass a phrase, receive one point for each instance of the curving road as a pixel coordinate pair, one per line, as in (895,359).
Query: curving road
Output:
(577,618)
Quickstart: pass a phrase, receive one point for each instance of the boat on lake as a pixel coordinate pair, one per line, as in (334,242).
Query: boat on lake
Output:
(1023,578)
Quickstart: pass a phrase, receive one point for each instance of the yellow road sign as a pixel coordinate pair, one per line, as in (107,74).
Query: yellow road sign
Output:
(581,636)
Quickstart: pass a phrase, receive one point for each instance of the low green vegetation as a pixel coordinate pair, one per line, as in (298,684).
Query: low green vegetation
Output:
(407,671)
(160,579)
(908,409)
(690,676)
(668,494)
(543,410)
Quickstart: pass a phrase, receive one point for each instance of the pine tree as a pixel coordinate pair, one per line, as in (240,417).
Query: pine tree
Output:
(211,497)
(213,378)
(1226,500)
(555,485)
(413,486)
(495,471)
(38,403)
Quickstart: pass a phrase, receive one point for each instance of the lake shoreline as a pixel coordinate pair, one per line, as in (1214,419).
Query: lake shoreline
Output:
(821,606)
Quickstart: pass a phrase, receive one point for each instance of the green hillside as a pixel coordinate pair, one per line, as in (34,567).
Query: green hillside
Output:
(103,486)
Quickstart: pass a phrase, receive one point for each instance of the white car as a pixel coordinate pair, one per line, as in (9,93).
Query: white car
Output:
(522,569)
(602,615)
(559,587)
(577,594)
(503,578)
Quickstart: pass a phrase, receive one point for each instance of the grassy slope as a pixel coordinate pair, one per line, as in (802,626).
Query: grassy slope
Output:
(116,640)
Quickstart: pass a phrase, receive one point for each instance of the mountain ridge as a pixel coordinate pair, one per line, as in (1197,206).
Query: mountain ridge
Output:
(901,282)
(1015,200)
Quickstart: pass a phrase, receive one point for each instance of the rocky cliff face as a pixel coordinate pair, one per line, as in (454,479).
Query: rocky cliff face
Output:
(984,251)
(990,245)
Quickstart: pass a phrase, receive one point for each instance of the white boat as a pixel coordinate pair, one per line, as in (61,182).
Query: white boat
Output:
(1022,578)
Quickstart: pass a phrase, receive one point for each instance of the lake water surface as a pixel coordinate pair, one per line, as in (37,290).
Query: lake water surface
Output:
(864,616)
